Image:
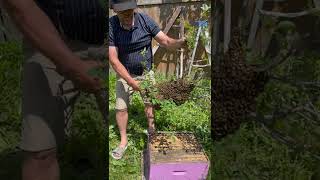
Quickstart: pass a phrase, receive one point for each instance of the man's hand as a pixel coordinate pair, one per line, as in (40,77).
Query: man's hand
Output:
(182,42)
(135,85)
(120,69)
(77,72)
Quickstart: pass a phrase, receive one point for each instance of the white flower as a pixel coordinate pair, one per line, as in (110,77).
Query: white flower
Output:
(205,7)
(151,77)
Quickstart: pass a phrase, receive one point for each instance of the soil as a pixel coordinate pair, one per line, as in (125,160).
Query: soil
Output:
(177,90)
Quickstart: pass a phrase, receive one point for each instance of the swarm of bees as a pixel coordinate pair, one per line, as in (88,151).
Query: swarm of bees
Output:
(235,85)
(177,90)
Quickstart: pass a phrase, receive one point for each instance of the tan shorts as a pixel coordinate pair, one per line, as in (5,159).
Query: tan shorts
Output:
(124,92)
(45,112)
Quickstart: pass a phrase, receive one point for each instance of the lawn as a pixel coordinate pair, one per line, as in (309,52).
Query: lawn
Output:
(251,154)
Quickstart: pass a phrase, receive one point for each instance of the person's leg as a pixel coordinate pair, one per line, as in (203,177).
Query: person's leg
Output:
(122,102)
(45,111)
(42,165)
(122,121)
(149,112)
(43,120)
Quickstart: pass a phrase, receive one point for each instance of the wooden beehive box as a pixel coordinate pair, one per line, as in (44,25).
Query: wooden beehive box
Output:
(174,156)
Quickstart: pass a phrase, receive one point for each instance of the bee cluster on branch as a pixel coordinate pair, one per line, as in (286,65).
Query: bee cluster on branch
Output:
(235,85)
(177,90)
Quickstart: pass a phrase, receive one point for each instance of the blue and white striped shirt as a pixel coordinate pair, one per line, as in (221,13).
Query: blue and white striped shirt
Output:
(131,43)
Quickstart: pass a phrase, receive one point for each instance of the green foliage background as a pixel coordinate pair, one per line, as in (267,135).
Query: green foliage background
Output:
(81,156)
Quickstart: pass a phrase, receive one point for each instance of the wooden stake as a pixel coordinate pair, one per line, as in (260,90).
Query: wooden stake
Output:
(227,24)
(182,50)
(255,23)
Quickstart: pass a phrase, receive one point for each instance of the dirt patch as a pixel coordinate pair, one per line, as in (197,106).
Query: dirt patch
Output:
(176,90)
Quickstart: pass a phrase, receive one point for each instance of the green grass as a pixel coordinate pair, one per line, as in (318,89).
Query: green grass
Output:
(250,153)
(10,71)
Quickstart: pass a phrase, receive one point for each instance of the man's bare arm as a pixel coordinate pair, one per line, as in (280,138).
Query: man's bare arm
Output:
(39,30)
(120,69)
(167,42)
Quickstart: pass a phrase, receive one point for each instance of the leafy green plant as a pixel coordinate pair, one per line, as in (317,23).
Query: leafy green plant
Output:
(205,35)
(191,33)
(253,154)
(148,83)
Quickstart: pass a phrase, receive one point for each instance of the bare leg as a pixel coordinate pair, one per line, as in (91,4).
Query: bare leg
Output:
(149,111)
(122,121)
(42,165)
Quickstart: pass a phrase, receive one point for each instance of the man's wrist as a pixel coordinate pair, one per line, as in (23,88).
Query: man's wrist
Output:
(180,42)
(131,82)
(183,40)
(67,64)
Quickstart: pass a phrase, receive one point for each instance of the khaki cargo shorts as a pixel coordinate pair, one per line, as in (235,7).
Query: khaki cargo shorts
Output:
(124,92)
(45,111)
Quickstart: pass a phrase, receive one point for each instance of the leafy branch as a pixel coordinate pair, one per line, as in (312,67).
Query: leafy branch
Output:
(148,83)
